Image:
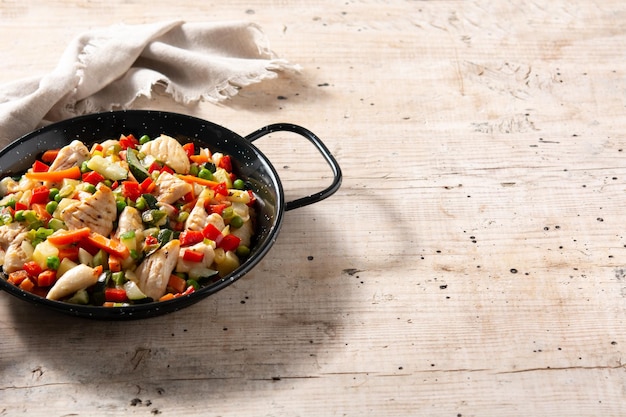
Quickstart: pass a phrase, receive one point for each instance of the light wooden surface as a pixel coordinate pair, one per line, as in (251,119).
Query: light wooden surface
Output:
(472,264)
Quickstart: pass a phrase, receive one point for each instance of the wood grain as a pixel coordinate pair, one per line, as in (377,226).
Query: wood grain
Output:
(472,264)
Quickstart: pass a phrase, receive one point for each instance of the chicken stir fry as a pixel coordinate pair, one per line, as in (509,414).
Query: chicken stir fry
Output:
(126,221)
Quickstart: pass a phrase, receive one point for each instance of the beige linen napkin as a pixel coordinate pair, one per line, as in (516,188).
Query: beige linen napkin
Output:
(109,68)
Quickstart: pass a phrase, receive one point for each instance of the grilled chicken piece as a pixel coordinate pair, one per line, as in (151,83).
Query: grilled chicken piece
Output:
(11,238)
(98,212)
(154,272)
(78,278)
(199,218)
(197,270)
(129,219)
(171,188)
(169,151)
(71,155)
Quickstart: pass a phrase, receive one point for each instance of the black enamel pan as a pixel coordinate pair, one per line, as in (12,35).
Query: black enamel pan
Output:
(249,163)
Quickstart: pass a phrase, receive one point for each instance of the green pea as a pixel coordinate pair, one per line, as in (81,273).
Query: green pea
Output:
(53,262)
(144,139)
(54,192)
(51,206)
(239,184)
(193,170)
(90,188)
(205,174)
(236,222)
(242,251)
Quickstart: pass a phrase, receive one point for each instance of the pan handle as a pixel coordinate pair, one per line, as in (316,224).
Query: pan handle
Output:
(311,137)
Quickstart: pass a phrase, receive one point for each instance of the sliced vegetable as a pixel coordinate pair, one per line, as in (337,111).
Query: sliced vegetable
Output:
(39,166)
(40,195)
(107,168)
(193,256)
(55,176)
(115,295)
(196,180)
(49,156)
(190,237)
(67,237)
(176,284)
(229,242)
(139,172)
(113,247)
(47,278)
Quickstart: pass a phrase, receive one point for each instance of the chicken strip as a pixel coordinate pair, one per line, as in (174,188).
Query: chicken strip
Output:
(98,212)
(77,278)
(154,272)
(169,151)
(12,255)
(129,219)
(200,269)
(171,188)
(199,218)
(71,155)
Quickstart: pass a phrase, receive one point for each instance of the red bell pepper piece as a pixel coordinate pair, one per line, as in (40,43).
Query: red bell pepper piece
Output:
(190,237)
(193,256)
(93,177)
(40,195)
(217,208)
(189,148)
(115,295)
(221,188)
(225,163)
(128,141)
(229,243)
(20,206)
(167,169)
(155,166)
(147,186)
(32,268)
(212,232)
(131,189)
(39,166)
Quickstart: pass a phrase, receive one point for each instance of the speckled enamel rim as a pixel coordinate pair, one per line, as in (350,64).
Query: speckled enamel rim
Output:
(248,161)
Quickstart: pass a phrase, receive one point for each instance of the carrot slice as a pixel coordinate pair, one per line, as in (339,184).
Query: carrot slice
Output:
(49,156)
(66,237)
(111,246)
(55,176)
(198,180)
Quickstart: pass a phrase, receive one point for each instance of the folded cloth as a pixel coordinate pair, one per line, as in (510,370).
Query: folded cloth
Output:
(109,68)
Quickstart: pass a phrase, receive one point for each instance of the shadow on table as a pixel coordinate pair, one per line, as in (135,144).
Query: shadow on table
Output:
(269,325)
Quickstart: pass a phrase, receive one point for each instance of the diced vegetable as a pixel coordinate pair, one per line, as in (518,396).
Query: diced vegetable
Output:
(107,168)
(84,267)
(55,176)
(67,237)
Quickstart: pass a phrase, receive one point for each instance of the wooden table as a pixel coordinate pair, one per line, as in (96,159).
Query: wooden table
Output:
(472,264)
